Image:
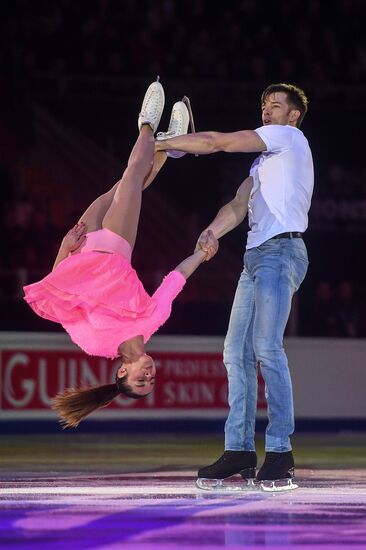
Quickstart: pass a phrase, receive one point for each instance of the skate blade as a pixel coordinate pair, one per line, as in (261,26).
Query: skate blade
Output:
(221,485)
(278,485)
(187,103)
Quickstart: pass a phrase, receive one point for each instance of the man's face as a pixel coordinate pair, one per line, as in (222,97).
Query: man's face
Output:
(276,110)
(140,374)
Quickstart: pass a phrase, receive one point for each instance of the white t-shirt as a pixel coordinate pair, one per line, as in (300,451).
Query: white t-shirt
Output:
(283,181)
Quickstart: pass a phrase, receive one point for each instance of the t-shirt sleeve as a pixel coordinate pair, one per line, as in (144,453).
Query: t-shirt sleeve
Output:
(276,137)
(254,166)
(164,296)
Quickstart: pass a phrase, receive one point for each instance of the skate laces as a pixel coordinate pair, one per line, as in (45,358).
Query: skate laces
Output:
(166,134)
(223,459)
(151,104)
(152,111)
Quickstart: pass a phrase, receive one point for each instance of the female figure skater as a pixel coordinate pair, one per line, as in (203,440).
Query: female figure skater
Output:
(94,292)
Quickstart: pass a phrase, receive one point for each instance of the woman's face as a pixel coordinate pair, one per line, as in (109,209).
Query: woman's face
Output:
(140,374)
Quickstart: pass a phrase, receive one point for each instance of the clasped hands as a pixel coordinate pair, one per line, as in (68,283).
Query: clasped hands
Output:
(208,243)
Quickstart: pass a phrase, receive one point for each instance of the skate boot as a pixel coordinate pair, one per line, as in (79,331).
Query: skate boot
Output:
(230,463)
(180,118)
(277,472)
(152,106)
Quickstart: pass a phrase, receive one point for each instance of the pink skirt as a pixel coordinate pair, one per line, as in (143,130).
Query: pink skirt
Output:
(105,240)
(90,283)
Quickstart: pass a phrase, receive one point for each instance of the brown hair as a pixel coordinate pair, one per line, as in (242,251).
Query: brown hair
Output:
(74,404)
(296,98)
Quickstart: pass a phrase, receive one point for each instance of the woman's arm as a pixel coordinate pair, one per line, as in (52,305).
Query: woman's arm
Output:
(62,255)
(72,241)
(190,264)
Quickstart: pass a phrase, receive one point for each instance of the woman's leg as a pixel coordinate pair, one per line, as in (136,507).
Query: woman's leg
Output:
(122,216)
(108,210)
(159,161)
(94,214)
(93,217)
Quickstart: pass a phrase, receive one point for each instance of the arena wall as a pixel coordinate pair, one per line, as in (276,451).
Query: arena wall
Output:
(329,378)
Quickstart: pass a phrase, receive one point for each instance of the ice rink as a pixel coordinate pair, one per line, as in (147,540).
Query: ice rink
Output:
(108,491)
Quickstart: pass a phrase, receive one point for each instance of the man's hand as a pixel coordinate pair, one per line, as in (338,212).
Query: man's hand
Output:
(208,243)
(74,238)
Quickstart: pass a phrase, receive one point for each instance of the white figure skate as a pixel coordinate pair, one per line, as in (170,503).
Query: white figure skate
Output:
(152,106)
(180,119)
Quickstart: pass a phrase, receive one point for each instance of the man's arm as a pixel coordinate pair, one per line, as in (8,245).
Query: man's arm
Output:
(204,143)
(230,215)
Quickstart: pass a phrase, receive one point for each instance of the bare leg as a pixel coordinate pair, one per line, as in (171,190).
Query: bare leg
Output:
(94,214)
(122,216)
(159,161)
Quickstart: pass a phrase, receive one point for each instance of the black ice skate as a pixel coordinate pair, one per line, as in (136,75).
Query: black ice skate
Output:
(277,472)
(230,463)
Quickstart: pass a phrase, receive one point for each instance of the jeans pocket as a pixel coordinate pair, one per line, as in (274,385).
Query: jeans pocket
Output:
(299,269)
(299,251)
(272,247)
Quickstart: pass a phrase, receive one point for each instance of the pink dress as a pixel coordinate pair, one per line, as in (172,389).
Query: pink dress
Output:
(98,298)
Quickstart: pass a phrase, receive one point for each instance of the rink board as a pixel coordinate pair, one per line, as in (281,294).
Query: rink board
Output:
(328,377)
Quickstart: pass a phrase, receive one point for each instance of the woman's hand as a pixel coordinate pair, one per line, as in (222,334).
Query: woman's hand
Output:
(74,238)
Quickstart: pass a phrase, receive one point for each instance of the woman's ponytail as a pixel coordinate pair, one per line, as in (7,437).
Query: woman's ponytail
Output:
(74,404)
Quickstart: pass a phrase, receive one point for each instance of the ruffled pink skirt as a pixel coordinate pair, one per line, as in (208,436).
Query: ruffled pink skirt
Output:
(90,283)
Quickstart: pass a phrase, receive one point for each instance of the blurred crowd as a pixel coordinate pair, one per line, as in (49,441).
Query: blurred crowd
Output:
(246,39)
(335,310)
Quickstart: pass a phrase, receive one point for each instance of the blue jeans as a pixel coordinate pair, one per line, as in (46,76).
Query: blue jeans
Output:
(272,273)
